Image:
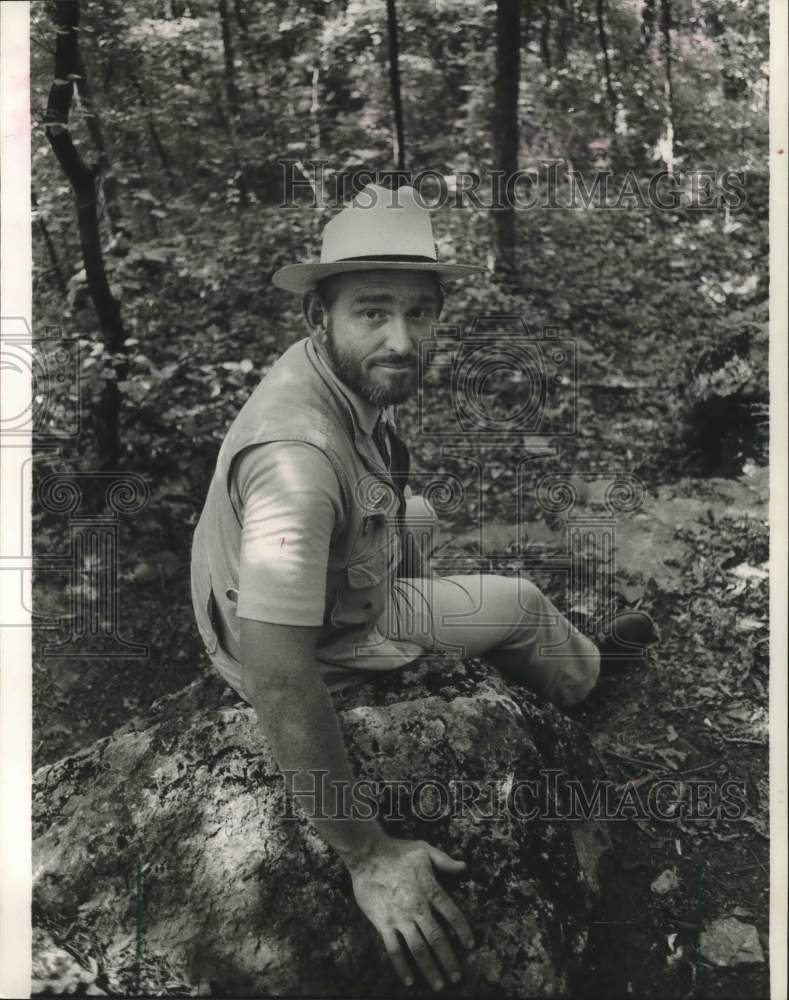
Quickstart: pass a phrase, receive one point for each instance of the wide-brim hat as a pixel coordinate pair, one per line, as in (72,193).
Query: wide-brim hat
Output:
(380,229)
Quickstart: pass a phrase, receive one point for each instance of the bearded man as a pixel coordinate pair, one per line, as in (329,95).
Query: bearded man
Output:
(300,584)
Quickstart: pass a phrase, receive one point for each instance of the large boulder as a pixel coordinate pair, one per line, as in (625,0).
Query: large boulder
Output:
(169,858)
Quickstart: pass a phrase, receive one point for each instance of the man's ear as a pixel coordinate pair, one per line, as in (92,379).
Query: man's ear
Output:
(314,311)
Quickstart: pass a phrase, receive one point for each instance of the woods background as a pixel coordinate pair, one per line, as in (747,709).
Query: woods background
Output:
(160,131)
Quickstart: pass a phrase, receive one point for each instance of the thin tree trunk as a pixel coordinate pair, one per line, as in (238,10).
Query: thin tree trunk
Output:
(231,93)
(53,257)
(153,133)
(84,180)
(609,86)
(668,84)
(315,111)
(647,22)
(505,125)
(545,34)
(565,28)
(247,43)
(394,82)
(224,121)
(96,132)
(231,88)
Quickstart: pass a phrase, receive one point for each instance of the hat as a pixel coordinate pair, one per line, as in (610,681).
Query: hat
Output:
(381,228)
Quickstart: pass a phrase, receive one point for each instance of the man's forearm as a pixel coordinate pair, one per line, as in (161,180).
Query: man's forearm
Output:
(301,725)
(393,880)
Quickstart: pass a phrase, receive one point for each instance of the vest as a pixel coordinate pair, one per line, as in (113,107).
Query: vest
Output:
(296,401)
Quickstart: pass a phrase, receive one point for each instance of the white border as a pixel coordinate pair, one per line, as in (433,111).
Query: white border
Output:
(779,489)
(15,641)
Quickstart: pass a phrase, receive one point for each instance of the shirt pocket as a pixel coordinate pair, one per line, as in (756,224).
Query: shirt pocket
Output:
(203,603)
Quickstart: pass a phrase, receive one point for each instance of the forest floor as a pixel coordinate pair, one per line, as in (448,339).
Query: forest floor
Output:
(693,555)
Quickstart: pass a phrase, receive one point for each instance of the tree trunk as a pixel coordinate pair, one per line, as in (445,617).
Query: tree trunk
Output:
(394,83)
(231,93)
(668,85)
(172,853)
(545,33)
(565,27)
(609,86)
(505,127)
(647,23)
(96,132)
(84,180)
(247,42)
(153,133)
(231,87)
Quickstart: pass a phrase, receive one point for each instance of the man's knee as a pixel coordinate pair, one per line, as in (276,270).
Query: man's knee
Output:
(532,601)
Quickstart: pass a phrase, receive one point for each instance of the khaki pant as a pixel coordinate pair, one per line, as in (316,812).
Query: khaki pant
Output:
(505,620)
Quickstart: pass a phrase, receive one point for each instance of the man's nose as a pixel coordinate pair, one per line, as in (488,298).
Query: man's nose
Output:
(398,336)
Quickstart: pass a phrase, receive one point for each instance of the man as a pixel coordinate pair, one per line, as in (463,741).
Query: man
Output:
(299,583)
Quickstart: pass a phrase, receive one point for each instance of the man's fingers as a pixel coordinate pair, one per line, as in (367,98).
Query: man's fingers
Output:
(438,940)
(443,861)
(454,917)
(422,956)
(395,953)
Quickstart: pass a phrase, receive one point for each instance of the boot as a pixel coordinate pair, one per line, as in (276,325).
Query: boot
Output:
(625,641)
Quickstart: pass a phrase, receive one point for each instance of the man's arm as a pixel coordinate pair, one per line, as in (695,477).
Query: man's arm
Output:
(393,880)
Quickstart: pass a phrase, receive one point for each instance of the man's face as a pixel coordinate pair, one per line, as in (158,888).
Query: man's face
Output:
(376,321)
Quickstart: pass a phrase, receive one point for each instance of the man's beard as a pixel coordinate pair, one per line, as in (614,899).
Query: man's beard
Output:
(349,370)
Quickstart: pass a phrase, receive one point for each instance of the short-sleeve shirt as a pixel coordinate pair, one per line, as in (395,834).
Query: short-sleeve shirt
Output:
(288,499)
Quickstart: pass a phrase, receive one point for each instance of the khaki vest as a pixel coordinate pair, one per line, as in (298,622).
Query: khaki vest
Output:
(296,401)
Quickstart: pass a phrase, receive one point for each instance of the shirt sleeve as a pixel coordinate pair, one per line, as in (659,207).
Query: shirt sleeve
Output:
(290,503)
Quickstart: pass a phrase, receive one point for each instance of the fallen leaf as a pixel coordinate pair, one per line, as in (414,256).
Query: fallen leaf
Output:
(747,572)
(749,624)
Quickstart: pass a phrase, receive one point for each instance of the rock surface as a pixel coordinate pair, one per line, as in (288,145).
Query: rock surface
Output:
(728,941)
(172,855)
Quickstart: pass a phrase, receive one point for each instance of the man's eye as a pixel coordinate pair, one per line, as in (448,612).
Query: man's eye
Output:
(372,313)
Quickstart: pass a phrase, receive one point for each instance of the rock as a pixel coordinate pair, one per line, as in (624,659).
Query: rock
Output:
(175,853)
(56,970)
(728,941)
(665,883)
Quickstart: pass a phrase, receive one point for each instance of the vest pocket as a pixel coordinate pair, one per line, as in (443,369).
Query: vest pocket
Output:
(362,596)
(370,567)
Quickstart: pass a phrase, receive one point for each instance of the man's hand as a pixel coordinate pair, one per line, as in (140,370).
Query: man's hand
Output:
(397,890)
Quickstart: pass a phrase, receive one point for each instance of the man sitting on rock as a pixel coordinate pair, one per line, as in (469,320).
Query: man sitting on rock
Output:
(300,583)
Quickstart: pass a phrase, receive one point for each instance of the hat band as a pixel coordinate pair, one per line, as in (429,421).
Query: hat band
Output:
(389,257)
